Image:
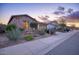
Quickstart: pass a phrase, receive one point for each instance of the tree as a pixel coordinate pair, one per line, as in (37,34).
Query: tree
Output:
(44,18)
(60,10)
(62,20)
(70,10)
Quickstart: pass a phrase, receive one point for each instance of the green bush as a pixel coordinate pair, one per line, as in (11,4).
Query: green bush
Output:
(10,27)
(28,37)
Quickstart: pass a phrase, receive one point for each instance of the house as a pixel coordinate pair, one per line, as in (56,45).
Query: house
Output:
(42,26)
(25,22)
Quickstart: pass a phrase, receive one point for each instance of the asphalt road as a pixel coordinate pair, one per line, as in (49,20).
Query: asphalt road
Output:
(69,47)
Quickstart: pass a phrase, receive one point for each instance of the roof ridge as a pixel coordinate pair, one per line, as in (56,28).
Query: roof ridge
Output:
(20,15)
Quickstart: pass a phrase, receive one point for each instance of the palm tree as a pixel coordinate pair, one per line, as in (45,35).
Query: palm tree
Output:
(61,10)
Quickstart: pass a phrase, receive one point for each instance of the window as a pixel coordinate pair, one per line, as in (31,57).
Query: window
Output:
(25,25)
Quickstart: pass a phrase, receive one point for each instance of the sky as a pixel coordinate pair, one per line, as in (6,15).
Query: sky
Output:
(32,9)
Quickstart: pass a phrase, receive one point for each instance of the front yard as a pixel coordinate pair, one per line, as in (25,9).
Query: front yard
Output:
(14,35)
(5,42)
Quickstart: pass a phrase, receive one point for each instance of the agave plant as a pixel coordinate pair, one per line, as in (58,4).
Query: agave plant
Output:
(13,33)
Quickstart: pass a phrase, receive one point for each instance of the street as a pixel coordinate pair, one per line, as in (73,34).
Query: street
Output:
(68,47)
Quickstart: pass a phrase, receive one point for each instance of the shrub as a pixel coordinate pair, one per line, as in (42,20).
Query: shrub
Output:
(12,32)
(28,37)
(10,27)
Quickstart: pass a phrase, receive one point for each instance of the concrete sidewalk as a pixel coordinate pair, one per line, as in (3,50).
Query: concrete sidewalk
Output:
(37,47)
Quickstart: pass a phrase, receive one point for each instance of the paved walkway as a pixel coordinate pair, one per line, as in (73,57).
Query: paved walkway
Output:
(37,47)
(68,47)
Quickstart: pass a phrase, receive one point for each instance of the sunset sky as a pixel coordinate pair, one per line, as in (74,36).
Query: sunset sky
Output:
(32,9)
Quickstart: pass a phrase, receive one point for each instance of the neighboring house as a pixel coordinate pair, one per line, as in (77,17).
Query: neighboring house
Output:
(51,24)
(42,26)
(23,21)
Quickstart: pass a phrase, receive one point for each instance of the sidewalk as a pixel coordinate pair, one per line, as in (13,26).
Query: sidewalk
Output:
(37,47)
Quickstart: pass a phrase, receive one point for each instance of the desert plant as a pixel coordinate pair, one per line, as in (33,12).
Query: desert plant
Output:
(28,37)
(13,35)
(12,32)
